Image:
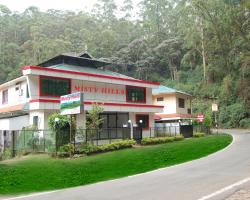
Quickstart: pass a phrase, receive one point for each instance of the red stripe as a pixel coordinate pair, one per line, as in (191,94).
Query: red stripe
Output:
(89,74)
(105,104)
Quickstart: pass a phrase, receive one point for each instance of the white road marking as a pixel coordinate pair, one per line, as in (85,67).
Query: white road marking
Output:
(241,182)
(32,195)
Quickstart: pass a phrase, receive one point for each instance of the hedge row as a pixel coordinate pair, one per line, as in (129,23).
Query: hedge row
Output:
(91,149)
(161,140)
(198,134)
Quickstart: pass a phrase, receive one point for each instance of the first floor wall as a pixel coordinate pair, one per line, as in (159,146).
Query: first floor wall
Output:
(40,119)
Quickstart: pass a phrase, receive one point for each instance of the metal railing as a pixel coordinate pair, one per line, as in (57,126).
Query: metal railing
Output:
(21,141)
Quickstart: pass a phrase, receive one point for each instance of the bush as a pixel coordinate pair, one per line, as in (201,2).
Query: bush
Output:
(198,135)
(66,150)
(161,140)
(245,123)
(91,149)
(7,154)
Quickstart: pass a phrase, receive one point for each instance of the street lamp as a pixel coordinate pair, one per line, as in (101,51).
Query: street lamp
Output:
(131,128)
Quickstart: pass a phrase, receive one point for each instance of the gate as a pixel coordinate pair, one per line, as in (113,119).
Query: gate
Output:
(137,135)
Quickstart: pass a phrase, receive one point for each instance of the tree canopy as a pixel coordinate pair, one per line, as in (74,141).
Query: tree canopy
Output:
(201,47)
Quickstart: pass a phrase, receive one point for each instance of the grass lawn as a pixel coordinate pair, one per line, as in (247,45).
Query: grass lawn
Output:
(40,172)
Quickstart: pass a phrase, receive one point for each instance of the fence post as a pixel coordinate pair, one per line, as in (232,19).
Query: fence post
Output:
(44,141)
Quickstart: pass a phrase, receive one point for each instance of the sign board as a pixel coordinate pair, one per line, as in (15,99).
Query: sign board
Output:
(214,107)
(71,104)
(200,118)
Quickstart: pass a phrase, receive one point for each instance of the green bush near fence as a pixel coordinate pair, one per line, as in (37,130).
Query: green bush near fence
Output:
(161,140)
(88,149)
(198,134)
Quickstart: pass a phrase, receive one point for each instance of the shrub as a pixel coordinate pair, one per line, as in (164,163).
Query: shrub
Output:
(179,138)
(66,150)
(245,123)
(91,149)
(198,135)
(161,140)
(7,154)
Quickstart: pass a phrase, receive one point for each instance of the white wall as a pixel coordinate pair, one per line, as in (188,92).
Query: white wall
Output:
(15,123)
(169,103)
(15,97)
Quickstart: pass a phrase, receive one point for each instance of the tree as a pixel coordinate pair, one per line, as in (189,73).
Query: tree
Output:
(94,121)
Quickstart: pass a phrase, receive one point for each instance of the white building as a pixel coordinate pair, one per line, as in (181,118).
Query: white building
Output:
(177,105)
(33,97)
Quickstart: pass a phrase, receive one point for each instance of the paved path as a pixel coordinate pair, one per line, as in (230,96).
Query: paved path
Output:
(188,181)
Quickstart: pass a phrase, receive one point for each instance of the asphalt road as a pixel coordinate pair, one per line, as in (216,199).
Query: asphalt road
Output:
(189,181)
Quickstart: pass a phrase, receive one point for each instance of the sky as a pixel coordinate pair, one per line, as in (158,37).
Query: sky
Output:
(43,5)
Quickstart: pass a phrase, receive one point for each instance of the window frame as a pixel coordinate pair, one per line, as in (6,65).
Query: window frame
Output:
(137,120)
(157,99)
(41,94)
(4,99)
(137,101)
(180,103)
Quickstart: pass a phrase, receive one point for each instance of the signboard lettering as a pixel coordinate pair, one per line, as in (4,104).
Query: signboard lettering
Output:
(102,90)
(71,103)
(200,118)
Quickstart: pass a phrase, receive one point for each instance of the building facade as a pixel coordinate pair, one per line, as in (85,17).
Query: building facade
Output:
(177,105)
(33,97)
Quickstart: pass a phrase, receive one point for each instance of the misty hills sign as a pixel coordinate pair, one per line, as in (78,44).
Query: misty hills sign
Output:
(71,103)
(100,90)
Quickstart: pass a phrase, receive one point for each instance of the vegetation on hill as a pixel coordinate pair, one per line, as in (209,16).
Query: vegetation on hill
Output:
(201,47)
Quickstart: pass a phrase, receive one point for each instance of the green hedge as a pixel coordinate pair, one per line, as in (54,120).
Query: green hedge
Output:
(161,140)
(91,149)
(198,134)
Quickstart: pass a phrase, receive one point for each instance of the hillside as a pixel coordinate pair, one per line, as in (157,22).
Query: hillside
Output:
(200,47)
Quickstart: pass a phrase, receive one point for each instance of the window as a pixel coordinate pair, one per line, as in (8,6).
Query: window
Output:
(189,110)
(27,92)
(136,94)
(51,86)
(35,121)
(5,97)
(142,121)
(181,103)
(160,99)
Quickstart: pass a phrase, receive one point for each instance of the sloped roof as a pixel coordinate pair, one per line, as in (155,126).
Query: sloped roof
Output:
(89,70)
(83,60)
(167,90)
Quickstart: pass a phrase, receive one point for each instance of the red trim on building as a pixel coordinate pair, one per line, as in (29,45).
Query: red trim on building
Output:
(89,74)
(145,97)
(58,78)
(90,102)
(137,120)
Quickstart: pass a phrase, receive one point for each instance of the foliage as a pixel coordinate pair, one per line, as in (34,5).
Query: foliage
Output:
(207,120)
(160,140)
(245,123)
(231,116)
(198,134)
(91,149)
(60,125)
(63,173)
(200,47)
(94,121)
(7,154)
(66,150)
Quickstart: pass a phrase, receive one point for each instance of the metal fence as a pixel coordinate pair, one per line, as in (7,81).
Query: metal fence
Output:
(26,141)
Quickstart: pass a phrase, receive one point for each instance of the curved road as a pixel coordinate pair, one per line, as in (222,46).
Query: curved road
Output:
(189,181)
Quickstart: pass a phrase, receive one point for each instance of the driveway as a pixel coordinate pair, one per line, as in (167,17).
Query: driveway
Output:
(189,181)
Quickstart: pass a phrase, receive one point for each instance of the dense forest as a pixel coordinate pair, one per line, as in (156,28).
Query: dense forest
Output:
(201,47)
